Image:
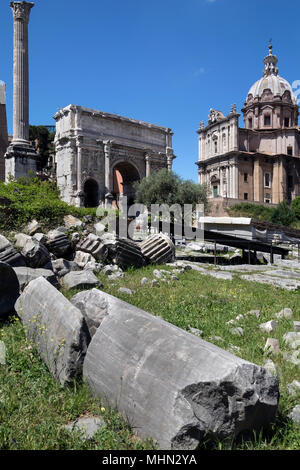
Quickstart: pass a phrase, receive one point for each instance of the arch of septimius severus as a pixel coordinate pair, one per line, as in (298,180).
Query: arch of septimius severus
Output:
(100,155)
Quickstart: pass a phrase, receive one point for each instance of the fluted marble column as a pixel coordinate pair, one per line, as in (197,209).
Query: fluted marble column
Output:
(107,153)
(21,13)
(148,164)
(20,158)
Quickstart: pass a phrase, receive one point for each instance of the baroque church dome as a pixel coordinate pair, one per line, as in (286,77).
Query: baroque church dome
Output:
(271,80)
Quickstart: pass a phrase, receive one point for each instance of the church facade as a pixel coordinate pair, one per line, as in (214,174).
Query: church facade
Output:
(261,161)
(100,155)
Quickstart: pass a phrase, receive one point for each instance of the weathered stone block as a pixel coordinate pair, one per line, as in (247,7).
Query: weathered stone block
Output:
(158,249)
(128,253)
(57,328)
(86,426)
(82,259)
(9,255)
(173,386)
(2,353)
(58,243)
(26,275)
(80,280)
(92,245)
(93,306)
(33,227)
(21,239)
(9,289)
(61,266)
(72,222)
(35,254)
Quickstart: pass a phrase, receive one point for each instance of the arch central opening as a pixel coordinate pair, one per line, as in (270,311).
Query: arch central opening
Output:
(124,177)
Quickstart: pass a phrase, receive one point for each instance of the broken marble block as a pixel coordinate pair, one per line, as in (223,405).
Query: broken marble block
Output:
(80,280)
(26,275)
(86,426)
(9,255)
(9,289)
(56,327)
(172,386)
(82,259)
(35,254)
(93,306)
(33,227)
(20,240)
(128,253)
(158,249)
(58,243)
(61,266)
(72,222)
(92,245)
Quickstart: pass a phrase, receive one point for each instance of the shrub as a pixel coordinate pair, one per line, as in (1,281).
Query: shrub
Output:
(296,206)
(29,198)
(284,214)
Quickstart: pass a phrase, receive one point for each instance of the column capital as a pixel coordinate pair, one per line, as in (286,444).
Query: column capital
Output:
(21,10)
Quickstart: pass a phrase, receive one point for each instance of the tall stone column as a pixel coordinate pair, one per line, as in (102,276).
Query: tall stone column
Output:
(21,13)
(170,157)
(20,156)
(148,164)
(107,154)
(79,192)
(3,130)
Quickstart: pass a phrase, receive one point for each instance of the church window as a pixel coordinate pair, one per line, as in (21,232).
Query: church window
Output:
(267,120)
(250,123)
(245,177)
(286,122)
(267,180)
(290,150)
(246,196)
(216,146)
(268,198)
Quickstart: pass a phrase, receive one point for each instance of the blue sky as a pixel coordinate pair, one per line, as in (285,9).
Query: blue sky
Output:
(160,61)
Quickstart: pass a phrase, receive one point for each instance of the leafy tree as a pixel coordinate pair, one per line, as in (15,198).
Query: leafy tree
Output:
(166,187)
(44,143)
(296,206)
(284,214)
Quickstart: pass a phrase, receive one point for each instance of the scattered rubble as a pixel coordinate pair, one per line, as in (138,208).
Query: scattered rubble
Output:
(86,426)
(269,326)
(2,353)
(295,415)
(272,346)
(293,388)
(284,313)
